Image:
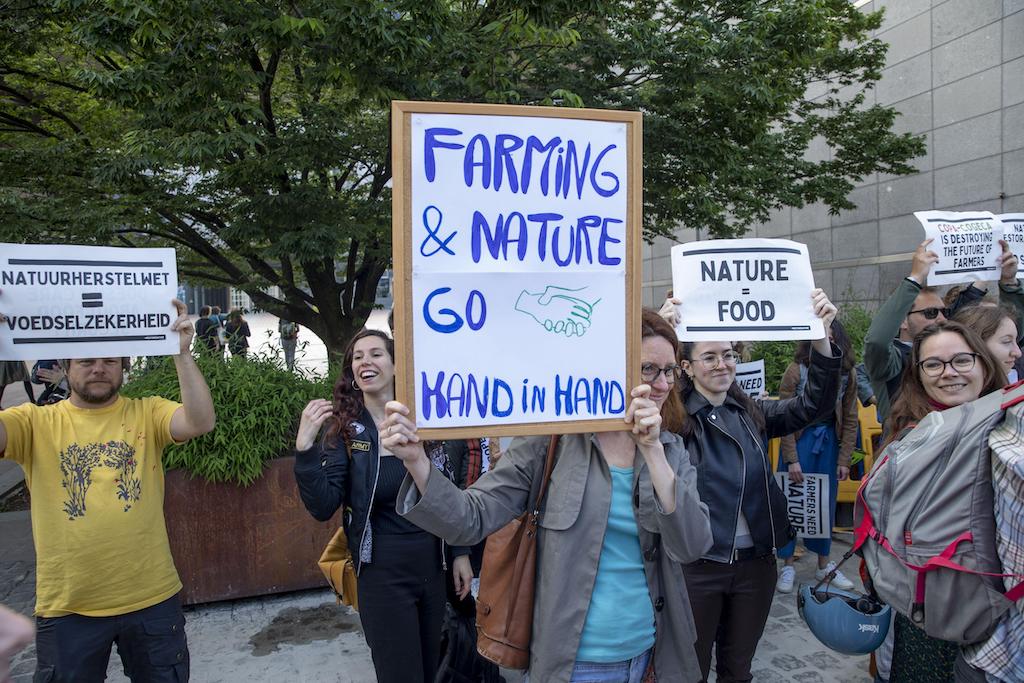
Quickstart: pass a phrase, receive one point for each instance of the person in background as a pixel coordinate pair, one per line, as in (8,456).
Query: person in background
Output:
(104,571)
(12,371)
(16,632)
(823,447)
(206,331)
(910,309)
(997,327)
(865,394)
(341,464)
(621,516)
(221,319)
(289,332)
(237,331)
(725,432)
(51,375)
(949,365)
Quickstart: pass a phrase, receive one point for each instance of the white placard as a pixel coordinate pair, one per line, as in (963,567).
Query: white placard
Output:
(744,290)
(967,244)
(64,301)
(519,267)
(808,504)
(750,377)
(1013,233)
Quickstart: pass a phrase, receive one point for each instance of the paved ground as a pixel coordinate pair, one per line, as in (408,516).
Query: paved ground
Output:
(304,636)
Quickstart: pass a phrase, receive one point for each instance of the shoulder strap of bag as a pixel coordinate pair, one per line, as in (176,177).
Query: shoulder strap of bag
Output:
(549,466)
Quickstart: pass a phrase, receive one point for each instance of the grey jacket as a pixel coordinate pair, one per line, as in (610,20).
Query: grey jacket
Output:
(569,543)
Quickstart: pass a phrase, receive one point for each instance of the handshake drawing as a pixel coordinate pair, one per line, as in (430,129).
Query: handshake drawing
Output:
(558,310)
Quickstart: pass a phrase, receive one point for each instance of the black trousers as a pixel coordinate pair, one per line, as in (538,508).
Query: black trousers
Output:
(401,607)
(730,608)
(151,643)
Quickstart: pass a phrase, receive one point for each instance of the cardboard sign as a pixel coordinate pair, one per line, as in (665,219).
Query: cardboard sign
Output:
(740,290)
(808,504)
(967,245)
(750,377)
(65,301)
(516,234)
(1013,233)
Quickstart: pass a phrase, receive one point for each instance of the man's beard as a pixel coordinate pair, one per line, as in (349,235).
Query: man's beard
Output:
(91,393)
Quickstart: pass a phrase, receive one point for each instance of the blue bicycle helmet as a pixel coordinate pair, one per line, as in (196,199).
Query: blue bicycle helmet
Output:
(850,623)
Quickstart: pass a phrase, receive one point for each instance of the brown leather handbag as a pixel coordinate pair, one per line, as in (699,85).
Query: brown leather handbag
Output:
(504,608)
(339,570)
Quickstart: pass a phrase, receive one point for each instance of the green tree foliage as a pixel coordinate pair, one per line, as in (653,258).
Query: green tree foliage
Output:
(258,406)
(253,136)
(778,355)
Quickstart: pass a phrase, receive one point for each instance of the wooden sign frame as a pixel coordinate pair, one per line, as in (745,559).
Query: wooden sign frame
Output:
(401,229)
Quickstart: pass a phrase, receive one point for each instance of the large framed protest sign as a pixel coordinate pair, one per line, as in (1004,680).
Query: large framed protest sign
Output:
(967,244)
(516,234)
(745,289)
(65,301)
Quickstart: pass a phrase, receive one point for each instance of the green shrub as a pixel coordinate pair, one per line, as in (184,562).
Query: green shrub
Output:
(778,355)
(257,402)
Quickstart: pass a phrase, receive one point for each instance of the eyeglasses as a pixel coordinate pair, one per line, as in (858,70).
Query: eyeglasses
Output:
(932,312)
(650,372)
(961,362)
(710,361)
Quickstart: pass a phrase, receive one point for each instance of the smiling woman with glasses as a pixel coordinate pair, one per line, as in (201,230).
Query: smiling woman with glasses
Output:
(953,365)
(725,432)
(621,517)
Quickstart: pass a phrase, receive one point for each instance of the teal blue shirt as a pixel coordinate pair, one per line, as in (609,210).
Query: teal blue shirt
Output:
(620,620)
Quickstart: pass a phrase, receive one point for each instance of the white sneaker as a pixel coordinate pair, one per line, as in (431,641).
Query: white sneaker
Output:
(786,578)
(839,580)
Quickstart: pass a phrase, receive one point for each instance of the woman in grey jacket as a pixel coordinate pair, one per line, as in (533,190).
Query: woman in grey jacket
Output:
(621,515)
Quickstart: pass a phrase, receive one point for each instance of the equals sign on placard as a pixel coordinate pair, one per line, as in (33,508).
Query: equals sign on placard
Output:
(745,291)
(92,300)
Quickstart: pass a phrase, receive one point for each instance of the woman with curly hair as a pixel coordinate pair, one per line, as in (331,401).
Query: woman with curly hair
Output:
(341,464)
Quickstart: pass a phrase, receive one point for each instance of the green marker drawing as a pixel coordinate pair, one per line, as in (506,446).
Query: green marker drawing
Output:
(557,310)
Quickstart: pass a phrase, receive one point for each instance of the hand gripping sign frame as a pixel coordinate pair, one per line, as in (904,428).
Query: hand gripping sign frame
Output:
(439,282)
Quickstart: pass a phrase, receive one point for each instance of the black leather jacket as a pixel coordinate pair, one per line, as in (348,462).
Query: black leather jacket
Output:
(733,469)
(328,479)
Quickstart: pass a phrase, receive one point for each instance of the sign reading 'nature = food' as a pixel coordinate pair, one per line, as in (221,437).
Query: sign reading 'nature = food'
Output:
(515,249)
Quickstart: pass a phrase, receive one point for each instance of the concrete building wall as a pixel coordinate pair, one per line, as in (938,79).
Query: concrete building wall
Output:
(955,72)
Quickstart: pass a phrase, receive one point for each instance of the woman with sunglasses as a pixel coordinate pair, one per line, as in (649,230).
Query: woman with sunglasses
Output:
(949,365)
(725,433)
(620,517)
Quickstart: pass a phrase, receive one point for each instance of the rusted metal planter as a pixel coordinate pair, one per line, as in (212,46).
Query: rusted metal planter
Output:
(232,542)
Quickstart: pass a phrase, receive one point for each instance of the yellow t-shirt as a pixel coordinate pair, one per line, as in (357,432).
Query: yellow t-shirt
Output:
(97,485)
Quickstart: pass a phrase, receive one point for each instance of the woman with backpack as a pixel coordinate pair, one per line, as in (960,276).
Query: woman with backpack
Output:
(949,365)
(824,447)
(341,464)
(620,515)
(731,586)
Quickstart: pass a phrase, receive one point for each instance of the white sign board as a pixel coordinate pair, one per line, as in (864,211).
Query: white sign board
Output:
(967,245)
(750,377)
(808,504)
(66,301)
(740,290)
(519,267)
(1013,233)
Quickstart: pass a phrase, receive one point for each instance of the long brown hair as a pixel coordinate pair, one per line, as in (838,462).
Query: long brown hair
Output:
(653,325)
(912,404)
(840,338)
(686,387)
(984,319)
(348,397)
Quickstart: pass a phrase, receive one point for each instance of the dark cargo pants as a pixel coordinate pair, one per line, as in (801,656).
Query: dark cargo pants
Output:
(151,643)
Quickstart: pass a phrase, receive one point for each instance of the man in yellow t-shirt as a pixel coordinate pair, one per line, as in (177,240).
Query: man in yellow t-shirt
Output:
(104,572)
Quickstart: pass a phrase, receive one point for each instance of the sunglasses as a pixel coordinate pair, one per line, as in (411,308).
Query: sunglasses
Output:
(932,313)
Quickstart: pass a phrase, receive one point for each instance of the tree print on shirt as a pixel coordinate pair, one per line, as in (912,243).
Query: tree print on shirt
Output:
(76,466)
(120,456)
(78,462)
